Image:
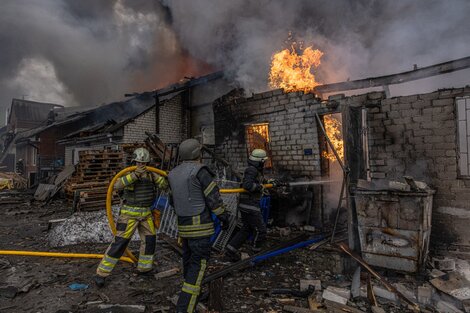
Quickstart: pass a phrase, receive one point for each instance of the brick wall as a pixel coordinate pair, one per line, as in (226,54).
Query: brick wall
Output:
(134,131)
(417,135)
(411,135)
(291,128)
(174,121)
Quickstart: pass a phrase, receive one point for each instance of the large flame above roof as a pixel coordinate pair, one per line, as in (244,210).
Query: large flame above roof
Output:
(291,69)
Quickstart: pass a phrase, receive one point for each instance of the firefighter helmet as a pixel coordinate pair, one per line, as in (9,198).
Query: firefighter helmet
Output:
(141,155)
(190,149)
(258,155)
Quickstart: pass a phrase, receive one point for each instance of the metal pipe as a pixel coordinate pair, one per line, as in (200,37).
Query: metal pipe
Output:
(312,182)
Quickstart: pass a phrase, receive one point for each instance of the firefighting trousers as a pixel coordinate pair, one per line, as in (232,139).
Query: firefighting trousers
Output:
(125,229)
(196,254)
(252,223)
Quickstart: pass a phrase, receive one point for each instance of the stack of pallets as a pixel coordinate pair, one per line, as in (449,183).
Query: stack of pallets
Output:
(87,188)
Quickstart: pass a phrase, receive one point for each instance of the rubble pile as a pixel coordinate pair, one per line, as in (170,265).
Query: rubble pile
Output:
(12,180)
(81,227)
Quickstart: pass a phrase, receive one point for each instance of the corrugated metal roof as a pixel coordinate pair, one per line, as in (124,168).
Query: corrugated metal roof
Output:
(33,111)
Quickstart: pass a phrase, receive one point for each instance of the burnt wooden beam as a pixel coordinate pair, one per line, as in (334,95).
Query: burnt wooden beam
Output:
(382,280)
(428,71)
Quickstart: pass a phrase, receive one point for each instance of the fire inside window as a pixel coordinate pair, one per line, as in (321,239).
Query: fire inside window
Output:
(257,137)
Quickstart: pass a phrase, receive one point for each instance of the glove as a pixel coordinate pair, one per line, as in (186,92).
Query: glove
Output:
(224,221)
(265,191)
(274,182)
(140,170)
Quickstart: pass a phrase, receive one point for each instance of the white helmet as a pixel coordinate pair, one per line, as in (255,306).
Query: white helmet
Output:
(141,155)
(258,155)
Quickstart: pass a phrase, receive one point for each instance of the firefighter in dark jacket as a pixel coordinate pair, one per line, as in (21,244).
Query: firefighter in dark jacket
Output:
(195,196)
(249,206)
(139,191)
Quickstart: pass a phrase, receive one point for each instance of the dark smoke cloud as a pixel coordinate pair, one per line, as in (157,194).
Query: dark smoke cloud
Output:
(81,52)
(86,52)
(360,38)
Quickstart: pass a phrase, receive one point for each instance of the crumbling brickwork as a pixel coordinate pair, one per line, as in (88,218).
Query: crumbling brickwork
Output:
(416,135)
(292,130)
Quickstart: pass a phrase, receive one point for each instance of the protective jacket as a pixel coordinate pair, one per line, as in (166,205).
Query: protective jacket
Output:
(139,193)
(252,182)
(195,195)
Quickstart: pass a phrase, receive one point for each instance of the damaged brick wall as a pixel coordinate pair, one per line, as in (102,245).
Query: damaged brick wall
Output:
(134,131)
(174,120)
(292,129)
(173,123)
(417,136)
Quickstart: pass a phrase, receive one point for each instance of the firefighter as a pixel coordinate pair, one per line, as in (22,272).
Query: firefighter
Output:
(249,207)
(195,196)
(139,189)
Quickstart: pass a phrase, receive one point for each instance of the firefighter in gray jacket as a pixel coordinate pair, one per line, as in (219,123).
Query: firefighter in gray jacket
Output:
(194,196)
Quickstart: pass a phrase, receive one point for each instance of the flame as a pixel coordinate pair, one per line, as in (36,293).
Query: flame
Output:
(291,71)
(333,131)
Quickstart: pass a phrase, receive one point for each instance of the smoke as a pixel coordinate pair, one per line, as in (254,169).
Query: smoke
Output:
(86,52)
(90,52)
(360,38)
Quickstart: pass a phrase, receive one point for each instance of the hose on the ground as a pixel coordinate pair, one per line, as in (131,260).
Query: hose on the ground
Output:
(58,254)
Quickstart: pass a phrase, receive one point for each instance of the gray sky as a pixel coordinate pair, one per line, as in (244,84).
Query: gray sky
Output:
(91,51)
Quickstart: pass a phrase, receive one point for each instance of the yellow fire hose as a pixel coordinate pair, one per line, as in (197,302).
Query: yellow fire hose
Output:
(58,255)
(109,197)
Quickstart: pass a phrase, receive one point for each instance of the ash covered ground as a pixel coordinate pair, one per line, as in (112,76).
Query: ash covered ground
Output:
(39,284)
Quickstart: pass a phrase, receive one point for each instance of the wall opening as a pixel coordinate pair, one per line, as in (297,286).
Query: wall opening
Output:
(257,137)
(330,167)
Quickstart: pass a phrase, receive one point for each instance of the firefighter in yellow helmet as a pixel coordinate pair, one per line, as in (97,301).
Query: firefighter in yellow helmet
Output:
(139,192)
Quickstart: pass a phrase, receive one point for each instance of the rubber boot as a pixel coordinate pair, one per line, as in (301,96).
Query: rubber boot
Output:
(99,281)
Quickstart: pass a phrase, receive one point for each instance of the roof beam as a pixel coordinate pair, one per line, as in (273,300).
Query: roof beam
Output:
(433,70)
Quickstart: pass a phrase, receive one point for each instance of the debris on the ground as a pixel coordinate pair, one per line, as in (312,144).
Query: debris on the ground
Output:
(356,283)
(167,273)
(295,309)
(309,228)
(444,264)
(8,292)
(78,287)
(425,294)
(436,273)
(306,283)
(10,180)
(335,294)
(335,306)
(130,308)
(389,287)
(377,309)
(446,307)
(453,284)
